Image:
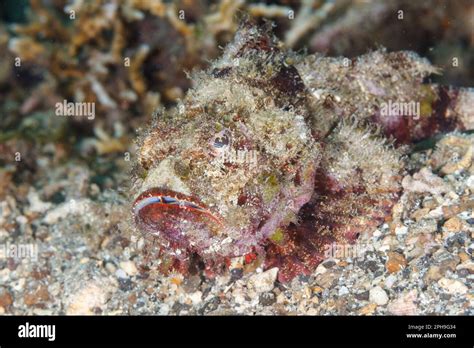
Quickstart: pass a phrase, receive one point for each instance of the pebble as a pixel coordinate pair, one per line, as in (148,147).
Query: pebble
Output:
(327,280)
(343,291)
(6,299)
(395,262)
(401,230)
(93,294)
(420,214)
(73,207)
(368,309)
(390,280)
(191,283)
(267,299)
(110,267)
(454,224)
(121,274)
(36,204)
(125,284)
(446,261)
(453,286)
(320,269)
(239,296)
(164,309)
(41,294)
(424,226)
(424,181)
(378,296)
(263,282)
(195,297)
(405,304)
(129,267)
(464,257)
(467,265)
(210,305)
(362,296)
(433,274)
(329,263)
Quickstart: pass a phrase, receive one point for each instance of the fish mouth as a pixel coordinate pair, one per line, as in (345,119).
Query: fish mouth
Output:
(163,210)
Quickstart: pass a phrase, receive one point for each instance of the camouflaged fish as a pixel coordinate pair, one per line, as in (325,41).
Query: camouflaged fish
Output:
(274,155)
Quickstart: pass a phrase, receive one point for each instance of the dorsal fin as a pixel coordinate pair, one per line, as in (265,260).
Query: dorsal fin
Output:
(251,37)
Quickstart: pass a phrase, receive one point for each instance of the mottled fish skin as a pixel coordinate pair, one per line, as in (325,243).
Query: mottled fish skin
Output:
(278,155)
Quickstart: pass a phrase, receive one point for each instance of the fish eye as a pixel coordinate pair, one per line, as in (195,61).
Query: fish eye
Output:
(221,140)
(169,200)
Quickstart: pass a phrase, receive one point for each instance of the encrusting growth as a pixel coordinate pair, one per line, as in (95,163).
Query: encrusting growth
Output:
(275,155)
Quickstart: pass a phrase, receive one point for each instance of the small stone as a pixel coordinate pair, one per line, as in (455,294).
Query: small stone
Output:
(343,291)
(191,283)
(462,273)
(110,267)
(424,181)
(395,262)
(317,289)
(371,265)
(420,214)
(390,280)
(179,307)
(125,284)
(36,204)
(362,296)
(405,304)
(164,309)
(6,299)
(267,299)
(196,297)
(41,294)
(430,203)
(454,224)
(281,298)
(132,298)
(424,226)
(91,295)
(327,280)
(368,309)
(467,265)
(453,286)
(238,296)
(446,261)
(320,269)
(129,267)
(378,296)
(401,230)
(463,256)
(263,282)
(433,274)
(121,274)
(342,263)
(210,305)
(329,263)
(453,210)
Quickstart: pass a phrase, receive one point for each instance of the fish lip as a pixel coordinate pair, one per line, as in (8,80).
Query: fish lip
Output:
(178,200)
